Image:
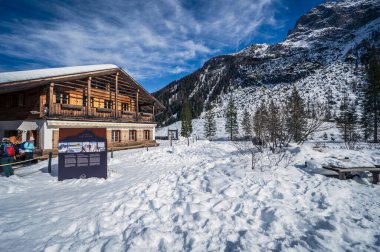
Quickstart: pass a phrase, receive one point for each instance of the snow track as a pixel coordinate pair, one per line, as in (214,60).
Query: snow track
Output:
(200,198)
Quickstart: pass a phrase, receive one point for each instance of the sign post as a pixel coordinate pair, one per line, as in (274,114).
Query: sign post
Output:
(82,153)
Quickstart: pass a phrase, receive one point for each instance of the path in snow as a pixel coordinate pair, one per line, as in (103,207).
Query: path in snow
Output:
(200,197)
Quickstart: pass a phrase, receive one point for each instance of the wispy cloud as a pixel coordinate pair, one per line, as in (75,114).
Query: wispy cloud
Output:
(148,39)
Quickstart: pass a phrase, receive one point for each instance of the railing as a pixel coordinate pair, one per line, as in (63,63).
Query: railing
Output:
(76,111)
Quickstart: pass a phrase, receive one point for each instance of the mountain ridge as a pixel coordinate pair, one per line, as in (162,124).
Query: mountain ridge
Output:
(332,33)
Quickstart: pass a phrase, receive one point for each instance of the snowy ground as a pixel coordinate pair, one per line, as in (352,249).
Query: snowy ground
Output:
(202,198)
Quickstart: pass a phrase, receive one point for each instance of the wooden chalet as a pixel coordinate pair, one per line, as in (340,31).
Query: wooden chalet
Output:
(38,103)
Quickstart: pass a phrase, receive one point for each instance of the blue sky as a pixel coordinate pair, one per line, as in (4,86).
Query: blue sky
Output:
(155,41)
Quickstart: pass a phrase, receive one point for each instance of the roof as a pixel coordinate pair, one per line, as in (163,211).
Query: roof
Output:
(23,80)
(51,72)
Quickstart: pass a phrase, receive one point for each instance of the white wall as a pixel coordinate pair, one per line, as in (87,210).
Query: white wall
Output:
(47,137)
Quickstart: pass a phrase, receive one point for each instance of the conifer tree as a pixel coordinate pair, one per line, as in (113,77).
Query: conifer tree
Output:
(246,124)
(347,120)
(231,125)
(329,103)
(209,125)
(352,119)
(273,124)
(342,120)
(296,116)
(186,120)
(260,122)
(371,104)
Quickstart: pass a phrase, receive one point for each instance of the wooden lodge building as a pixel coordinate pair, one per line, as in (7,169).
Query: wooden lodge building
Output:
(38,103)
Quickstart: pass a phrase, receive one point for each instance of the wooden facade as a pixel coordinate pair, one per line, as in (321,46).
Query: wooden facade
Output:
(108,95)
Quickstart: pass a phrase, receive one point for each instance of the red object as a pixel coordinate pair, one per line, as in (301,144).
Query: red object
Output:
(10,151)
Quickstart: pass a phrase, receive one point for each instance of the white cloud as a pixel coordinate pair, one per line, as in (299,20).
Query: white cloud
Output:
(149,39)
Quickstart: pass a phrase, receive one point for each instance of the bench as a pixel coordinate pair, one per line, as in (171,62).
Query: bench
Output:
(375,170)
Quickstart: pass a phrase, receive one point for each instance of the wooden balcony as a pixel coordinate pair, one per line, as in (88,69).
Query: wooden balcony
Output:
(77,112)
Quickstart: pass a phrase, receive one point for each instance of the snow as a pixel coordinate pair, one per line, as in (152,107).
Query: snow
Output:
(203,198)
(51,72)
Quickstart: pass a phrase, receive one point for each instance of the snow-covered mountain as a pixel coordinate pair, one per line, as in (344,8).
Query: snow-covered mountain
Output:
(326,50)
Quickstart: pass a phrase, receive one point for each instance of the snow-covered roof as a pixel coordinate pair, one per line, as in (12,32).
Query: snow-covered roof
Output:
(51,72)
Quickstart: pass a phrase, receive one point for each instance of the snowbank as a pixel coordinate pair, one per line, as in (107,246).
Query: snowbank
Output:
(202,198)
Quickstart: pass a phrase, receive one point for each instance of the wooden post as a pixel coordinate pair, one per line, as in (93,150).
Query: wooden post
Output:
(153,117)
(51,98)
(171,140)
(116,95)
(89,97)
(342,175)
(49,162)
(375,177)
(111,153)
(42,103)
(137,104)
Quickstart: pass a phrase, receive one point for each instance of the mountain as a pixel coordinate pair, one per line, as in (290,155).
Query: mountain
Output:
(326,50)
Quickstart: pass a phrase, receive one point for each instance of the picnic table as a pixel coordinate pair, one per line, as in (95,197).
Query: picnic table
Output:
(343,171)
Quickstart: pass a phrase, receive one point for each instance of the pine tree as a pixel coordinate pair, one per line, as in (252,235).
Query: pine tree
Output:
(231,125)
(342,120)
(273,124)
(347,121)
(296,116)
(371,104)
(246,124)
(186,120)
(260,122)
(352,119)
(329,103)
(210,125)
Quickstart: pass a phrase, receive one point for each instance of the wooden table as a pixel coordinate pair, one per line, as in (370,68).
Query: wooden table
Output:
(375,170)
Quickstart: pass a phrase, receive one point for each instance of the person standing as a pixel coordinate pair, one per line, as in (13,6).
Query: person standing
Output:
(7,153)
(28,147)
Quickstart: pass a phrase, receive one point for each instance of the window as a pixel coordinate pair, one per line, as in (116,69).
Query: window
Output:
(57,97)
(132,135)
(61,98)
(146,135)
(108,104)
(116,136)
(84,104)
(92,102)
(125,107)
(64,98)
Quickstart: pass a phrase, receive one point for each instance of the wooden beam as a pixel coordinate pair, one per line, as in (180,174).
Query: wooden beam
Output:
(88,103)
(116,95)
(137,103)
(51,98)
(42,93)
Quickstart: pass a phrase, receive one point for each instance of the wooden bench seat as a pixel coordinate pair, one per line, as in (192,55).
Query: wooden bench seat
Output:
(343,171)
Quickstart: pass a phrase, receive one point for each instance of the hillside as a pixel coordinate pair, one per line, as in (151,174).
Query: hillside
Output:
(325,51)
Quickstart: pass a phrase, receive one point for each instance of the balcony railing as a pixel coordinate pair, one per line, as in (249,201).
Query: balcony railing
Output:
(69,111)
